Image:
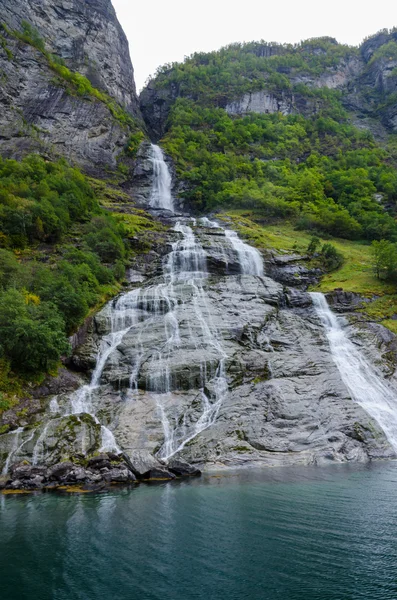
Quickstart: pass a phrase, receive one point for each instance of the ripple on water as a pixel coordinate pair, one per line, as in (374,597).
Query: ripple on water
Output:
(292,534)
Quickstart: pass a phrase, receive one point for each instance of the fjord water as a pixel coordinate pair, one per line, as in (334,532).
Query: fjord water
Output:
(289,534)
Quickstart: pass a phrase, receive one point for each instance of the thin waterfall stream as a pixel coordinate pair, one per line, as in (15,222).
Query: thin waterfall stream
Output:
(161,196)
(366,387)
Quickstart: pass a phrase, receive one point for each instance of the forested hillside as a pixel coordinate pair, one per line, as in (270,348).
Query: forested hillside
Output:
(276,129)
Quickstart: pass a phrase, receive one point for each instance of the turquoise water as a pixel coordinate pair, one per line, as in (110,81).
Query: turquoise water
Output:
(289,534)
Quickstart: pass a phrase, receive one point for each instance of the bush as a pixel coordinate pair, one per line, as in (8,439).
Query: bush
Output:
(313,245)
(332,259)
(10,269)
(47,295)
(104,238)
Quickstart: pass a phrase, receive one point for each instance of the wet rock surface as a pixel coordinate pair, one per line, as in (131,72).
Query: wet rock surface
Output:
(284,402)
(92,474)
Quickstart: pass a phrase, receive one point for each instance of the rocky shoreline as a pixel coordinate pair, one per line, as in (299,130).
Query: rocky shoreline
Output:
(94,474)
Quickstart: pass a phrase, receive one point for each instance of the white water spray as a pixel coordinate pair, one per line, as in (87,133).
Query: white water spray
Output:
(250,260)
(122,318)
(161,196)
(185,270)
(366,387)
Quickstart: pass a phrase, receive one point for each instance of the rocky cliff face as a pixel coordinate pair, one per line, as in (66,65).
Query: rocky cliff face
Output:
(39,110)
(87,36)
(286,103)
(369,95)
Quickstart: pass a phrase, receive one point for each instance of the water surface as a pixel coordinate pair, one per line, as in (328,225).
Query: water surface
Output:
(290,534)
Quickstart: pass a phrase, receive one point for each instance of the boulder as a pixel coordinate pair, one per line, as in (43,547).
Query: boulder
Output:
(158,475)
(60,471)
(141,462)
(181,468)
(99,462)
(119,476)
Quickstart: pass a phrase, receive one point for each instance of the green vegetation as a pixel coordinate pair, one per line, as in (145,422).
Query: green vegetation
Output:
(387,51)
(4,45)
(385,259)
(218,77)
(313,168)
(60,256)
(320,171)
(134,141)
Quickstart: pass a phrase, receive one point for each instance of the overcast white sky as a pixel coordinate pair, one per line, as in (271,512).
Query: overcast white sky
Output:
(162,31)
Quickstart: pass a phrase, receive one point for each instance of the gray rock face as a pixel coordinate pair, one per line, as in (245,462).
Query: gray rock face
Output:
(342,301)
(264,102)
(155,106)
(38,112)
(292,270)
(285,402)
(87,36)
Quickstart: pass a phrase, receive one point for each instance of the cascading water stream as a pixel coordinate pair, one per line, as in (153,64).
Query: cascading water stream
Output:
(187,263)
(250,260)
(185,270)
(366,387)
(161,196)
(160,309)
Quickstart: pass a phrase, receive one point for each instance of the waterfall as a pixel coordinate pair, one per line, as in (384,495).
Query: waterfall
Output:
(16,447)
(184,272)
(122,317)
(365,385)
(161,196)
(158,325)
(250,260)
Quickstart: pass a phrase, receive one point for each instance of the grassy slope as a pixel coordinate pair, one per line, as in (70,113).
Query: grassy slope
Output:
(356,274)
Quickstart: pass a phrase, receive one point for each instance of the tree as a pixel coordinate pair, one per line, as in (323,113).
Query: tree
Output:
(32,335)
(384,259)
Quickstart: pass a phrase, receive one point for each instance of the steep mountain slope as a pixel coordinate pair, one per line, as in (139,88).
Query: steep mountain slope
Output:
(209,353)
(67,82)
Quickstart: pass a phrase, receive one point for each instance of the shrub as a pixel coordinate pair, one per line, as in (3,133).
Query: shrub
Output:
(332,259)
(313,245)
